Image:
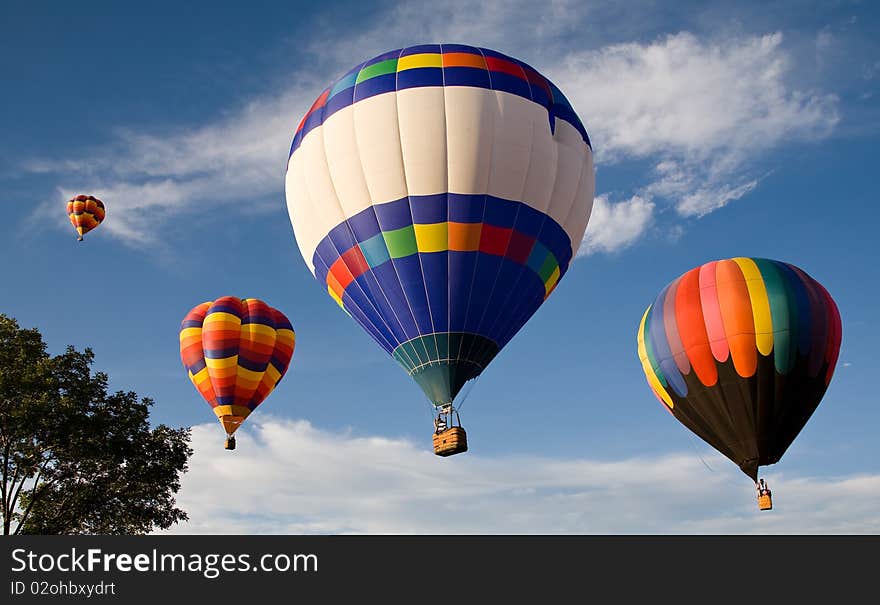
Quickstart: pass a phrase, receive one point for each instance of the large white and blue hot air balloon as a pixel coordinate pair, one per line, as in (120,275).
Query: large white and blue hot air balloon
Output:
(439,194)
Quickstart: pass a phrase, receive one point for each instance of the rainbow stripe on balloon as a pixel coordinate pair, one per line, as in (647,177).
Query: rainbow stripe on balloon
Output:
(438,65)
(737,312)
(430,252)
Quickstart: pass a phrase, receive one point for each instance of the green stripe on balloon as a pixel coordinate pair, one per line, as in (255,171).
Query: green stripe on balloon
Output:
(646,337)
(783,357)
(381,68)
(401,242)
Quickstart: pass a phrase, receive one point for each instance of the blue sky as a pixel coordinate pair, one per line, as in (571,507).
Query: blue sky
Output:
(719,131)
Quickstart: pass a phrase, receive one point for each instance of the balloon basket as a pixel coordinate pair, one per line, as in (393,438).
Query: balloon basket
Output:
(450,441)
(765,502)
(230,443)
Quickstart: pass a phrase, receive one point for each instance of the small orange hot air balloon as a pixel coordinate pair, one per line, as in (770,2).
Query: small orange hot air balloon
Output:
(85,212)
(235,352)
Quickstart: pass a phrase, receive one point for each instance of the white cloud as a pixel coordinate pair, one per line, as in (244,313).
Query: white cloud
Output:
(696,194)
(290,477)
(690,97)
(615,226)
(703,112)
(706,199)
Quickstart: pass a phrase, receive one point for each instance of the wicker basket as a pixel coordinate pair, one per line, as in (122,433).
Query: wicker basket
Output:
(450,442)
(765,502)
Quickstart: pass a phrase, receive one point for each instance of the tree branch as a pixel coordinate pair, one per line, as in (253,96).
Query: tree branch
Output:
(27,511)
(10,503)
(34,497)
(7,507)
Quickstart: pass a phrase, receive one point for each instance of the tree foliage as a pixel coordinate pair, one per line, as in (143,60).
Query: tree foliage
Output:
(77,459)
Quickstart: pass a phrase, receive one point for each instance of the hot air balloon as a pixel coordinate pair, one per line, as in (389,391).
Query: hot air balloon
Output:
(741,351)
(235,352)
(439,193)
(85,213)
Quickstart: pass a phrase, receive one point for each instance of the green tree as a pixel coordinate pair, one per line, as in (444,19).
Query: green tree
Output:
(75,458)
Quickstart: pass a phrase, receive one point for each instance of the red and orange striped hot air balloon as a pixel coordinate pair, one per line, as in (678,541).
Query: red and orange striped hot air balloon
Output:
(85,213)
(741,352)
(235,352)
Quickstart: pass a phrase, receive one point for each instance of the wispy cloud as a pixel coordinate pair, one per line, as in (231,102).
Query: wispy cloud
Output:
(291,477)
(693,97)
(706,199)
(506,26)
(703,112)
(148,179)
(692,192)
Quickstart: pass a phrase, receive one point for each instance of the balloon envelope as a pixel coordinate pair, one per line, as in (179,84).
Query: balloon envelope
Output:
(235,352)
(741,351)
(438,193)
(85,213)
